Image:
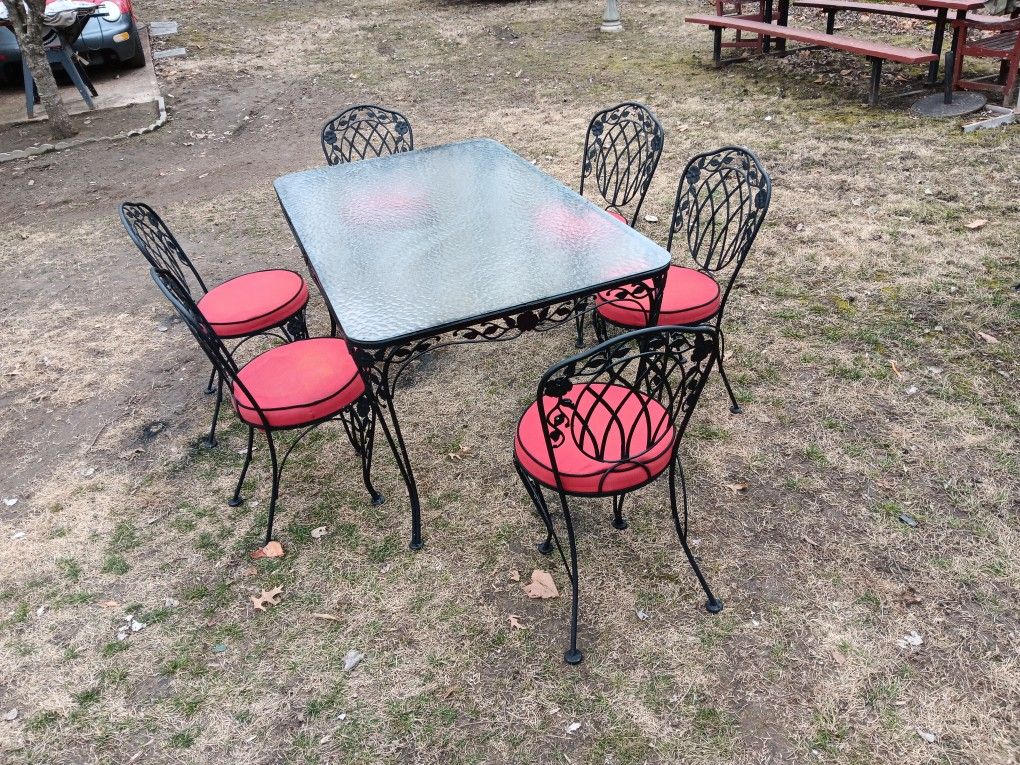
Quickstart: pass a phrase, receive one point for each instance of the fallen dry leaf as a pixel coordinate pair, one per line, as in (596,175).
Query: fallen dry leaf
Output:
(267,598)
(514,575)
(737,488)
(895,369)
(460,455)
(541,586)
(515,623)
(109,604)
(320,532)
(450,691)
(328,617)
(977,223)
(272,550)
(990,339)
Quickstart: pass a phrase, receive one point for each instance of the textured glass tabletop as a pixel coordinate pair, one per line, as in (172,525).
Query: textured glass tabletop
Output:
(438,238)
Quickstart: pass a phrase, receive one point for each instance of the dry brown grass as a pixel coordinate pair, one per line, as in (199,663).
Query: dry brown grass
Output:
(863,262)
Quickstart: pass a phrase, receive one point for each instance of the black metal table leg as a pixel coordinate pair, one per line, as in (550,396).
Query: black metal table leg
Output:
(936,45)
(766,43)
(876,80)
(383,365)
(784,18)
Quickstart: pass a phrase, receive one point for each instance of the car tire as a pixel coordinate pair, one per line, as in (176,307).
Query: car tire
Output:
(137,61)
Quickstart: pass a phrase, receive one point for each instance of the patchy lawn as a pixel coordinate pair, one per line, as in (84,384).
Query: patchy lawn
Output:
(873,340)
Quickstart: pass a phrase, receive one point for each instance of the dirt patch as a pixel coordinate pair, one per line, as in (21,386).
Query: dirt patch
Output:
(104,123)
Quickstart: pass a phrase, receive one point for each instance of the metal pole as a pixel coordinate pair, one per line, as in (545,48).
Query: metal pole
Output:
(611,18)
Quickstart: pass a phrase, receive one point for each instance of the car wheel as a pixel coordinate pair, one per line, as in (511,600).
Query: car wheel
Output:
(137,61)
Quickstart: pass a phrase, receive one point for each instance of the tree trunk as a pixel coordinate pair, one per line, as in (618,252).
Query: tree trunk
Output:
(28,29)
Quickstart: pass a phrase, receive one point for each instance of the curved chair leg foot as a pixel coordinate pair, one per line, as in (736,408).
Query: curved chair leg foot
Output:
(545,547)
(714,606)
(619,523)
(210,441)
(210,388)
(236,500)
(573,656)
(416,544)
(378,499)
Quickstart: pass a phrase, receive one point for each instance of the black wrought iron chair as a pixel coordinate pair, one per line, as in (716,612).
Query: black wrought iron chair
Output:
(365,131)
(720,205)
(294,386)
(621,151)
(256,303)
(609,421)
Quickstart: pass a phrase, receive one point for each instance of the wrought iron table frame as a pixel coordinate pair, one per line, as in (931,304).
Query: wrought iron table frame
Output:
(383,362)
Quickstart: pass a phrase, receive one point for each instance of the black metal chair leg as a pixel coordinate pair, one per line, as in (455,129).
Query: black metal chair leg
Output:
(579,307)
(618,520)
(538,500)
(572,655)
(734,406)
(210,441)
(210,387)
(237,499)
(600,327)
(276,486)
(713,605)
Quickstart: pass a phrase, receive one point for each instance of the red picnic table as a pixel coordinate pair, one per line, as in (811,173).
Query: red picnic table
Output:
(876,52)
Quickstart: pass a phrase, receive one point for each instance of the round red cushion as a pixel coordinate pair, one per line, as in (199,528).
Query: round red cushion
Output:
(254,302)
(618,216)
(690,297)
(298,383)
(617,439)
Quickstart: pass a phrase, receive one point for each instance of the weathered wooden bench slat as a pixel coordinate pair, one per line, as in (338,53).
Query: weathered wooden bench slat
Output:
(890,9)
(876,52)
(867,48)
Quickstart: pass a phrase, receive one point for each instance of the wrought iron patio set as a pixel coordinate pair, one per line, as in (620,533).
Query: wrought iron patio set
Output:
(413,250)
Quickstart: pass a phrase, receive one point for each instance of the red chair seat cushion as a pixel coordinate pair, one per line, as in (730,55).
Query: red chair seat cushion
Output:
(254,302)
(298,383)
(618,216)
(617,439)
(690,297)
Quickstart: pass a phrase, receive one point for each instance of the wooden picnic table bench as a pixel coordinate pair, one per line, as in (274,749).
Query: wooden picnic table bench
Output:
(875,52)
(938,17)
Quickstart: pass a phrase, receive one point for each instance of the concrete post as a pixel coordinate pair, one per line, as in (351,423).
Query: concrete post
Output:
(611,18)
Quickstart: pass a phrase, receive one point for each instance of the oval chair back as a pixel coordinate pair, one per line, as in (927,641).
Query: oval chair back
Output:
(721,203)
(210,343)
(627,397)
(621,151)
(365,131)
(159,246)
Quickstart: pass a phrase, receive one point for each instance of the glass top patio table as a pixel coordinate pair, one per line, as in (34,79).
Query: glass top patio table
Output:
(432,240)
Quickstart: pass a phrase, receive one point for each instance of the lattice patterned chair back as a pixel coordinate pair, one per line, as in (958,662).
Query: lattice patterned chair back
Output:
(621,151)
(365,131)
(720,205)
(158,244)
